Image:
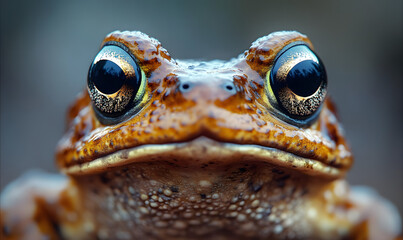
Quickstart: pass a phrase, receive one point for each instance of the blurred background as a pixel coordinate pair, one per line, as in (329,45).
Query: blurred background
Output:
(47,47)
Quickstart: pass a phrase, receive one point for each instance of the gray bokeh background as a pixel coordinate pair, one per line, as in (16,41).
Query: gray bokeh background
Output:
(47,46)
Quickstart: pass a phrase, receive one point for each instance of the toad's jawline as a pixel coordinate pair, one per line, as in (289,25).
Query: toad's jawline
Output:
(201,151)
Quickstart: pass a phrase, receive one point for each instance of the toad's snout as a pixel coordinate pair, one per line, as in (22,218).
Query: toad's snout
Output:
(207,86)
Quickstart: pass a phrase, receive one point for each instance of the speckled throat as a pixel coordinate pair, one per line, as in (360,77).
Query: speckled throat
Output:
(173,197)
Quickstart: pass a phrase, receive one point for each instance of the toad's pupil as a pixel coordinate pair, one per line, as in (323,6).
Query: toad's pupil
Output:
(305,78)
(107,76)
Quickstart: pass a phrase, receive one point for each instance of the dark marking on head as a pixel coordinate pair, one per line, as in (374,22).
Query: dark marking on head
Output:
(174,189)
(104,178)
(281,180)
(255,187)
(275,170)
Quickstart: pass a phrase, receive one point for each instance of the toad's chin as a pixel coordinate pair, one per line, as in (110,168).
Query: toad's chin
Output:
(204,151)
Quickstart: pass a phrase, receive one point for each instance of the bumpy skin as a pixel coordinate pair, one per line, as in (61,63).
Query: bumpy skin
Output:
(213,160)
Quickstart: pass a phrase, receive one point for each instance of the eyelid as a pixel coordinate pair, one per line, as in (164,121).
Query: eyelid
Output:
(114,54)
(288,64)
(290,45)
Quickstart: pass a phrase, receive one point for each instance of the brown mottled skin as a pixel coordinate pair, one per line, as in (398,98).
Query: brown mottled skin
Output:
(214,161)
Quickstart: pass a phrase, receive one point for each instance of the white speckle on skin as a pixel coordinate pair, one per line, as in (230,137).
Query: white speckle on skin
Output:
(232,207)
(241,217)
(173,204)
(288,222)
(216,204)
(255,203)
(205,183)
(154,204)
(143,210)
(143,197)
(233,214)
(278,229)
(312,213)
(167,192)
(215,196)
(340,189)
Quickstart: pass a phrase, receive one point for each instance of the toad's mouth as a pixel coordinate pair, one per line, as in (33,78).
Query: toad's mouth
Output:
(203,151)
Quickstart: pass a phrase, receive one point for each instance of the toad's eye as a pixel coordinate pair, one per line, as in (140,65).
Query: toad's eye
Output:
(297,84)
(115,84)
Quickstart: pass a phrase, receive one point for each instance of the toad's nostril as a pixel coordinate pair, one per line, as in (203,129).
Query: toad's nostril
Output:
(229,87)
(185,87)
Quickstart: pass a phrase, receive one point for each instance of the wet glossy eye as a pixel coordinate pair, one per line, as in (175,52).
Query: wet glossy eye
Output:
(115,83)
(297,83)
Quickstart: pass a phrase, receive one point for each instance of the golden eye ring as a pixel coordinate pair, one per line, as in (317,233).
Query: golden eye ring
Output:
(297,84)
(116,84)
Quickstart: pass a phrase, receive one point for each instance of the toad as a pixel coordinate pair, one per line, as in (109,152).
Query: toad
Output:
(159,148)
